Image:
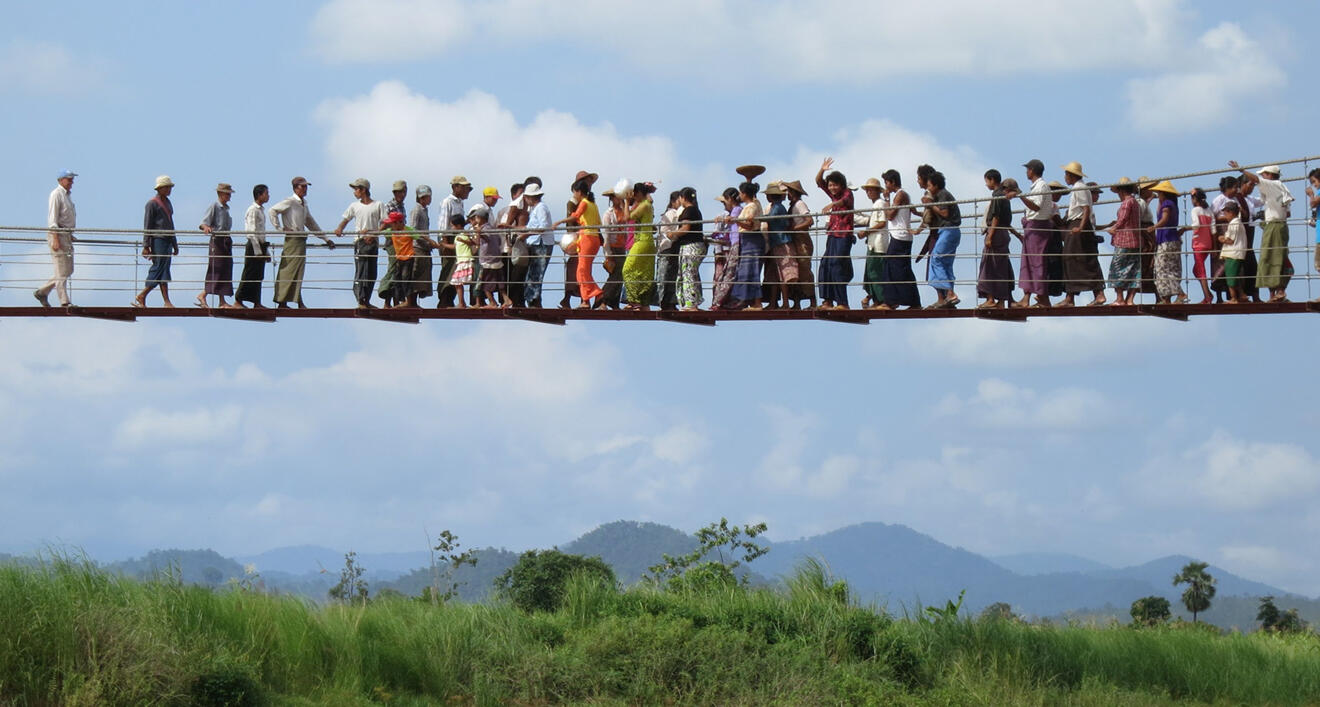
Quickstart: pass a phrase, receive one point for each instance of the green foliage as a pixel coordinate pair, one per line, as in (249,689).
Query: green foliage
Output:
(538,581)
(1200,587)
(812,580)
(352,587)
(1150,611)
(1271,619)
(718,538)
(72,635)
(445,586)
(949,612)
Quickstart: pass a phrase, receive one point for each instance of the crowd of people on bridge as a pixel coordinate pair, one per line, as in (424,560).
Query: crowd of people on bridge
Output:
(485,254)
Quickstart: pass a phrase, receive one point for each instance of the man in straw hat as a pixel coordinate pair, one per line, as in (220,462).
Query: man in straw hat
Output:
(1081,258)
(1274,270)
(217,223)
(159,244)
(781,267)
(292,217)
(61,218)
(875,228)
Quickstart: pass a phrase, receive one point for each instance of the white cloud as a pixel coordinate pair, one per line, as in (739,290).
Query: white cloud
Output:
(377,134)
(46,68)
(807,43)
(1254,559)
(782,467)
(1048,341)
(1225,60)
(1231,475)
(998,404)
(159,429)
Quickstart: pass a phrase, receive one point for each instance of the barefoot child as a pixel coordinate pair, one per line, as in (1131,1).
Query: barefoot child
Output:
(465,248)
(1203,241)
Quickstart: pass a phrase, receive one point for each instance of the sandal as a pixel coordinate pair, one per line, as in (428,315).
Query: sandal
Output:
(138,304)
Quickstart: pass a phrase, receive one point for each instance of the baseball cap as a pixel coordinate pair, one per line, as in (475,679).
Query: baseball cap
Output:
(491,191)
(360,182)
(67,173)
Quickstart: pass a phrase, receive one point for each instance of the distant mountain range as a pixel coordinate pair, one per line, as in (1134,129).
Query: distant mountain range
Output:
(889,565)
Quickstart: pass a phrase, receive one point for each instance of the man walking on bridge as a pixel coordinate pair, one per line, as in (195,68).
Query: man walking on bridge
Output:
(293,219)
(61,219)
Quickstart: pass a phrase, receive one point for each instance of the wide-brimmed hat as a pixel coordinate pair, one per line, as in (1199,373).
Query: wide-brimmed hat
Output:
(795,185)
(750,171)
(591,177)
(360,183)
(872,183)
(775,189)
(1075,169)
(1057,186)
(533,189)
(1144,183)
(164,181)
(400,185)
(1121,183)
(460,181)
(1272,169)
(223,188)
(1166,187)
(392,218)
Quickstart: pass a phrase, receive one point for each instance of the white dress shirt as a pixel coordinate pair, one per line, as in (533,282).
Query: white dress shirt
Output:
(1041,194)
(254,222)
(292,216)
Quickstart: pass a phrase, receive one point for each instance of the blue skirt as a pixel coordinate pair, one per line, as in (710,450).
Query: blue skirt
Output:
(747,285)
(836,269)
(162,252)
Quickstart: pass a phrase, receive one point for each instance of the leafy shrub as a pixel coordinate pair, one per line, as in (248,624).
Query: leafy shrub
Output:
(538,580)
(226,687)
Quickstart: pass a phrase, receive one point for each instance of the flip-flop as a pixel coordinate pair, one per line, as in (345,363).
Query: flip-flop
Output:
(137,304)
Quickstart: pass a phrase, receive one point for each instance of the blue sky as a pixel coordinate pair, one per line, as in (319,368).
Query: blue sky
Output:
(1119,440)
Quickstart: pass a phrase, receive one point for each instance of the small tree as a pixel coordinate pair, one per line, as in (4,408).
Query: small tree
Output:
(1200,587)
(718,538)
(1268,615)
(998,611)
(538,580)
(1150,611)
(1290,622)
(352,587)
(1273,620)
(443,587)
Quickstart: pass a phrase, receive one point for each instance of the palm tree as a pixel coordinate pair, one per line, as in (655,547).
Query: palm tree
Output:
(1200,587)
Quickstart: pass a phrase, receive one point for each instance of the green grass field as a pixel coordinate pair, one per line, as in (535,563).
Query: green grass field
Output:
(71,635)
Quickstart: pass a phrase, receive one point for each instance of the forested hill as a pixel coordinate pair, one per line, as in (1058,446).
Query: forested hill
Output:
(891,565)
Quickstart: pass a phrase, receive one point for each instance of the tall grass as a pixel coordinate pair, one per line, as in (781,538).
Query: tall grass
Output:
(70,634)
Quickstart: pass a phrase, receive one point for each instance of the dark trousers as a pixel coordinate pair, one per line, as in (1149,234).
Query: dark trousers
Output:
(518,282)
(570,279)
(254,271)
(666,278)
(364,269)
(613,289)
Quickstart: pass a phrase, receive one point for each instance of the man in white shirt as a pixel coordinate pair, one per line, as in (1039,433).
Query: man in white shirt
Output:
(1273,268)
(293,219)
(257,252)
(1038,222)
(61,218)
(368,214)
(1081,259)
(540,240)
(451,206)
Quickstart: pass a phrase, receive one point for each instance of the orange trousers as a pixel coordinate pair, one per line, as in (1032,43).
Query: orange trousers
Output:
(588,246)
